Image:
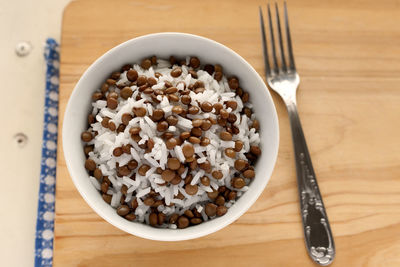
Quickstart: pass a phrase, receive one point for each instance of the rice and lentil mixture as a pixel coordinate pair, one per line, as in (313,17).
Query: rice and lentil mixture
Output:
(171,143)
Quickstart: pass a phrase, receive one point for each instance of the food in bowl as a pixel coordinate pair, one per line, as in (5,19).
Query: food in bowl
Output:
(171,143)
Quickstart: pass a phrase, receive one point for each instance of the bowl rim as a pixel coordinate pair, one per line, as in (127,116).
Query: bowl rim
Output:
(146,234)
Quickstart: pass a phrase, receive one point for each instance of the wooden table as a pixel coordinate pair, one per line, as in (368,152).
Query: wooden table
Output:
(348,57)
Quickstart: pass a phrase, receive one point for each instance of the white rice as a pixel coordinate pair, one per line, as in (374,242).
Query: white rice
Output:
(140,186)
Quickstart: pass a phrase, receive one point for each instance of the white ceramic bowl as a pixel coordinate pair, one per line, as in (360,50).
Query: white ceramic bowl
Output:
(163,45)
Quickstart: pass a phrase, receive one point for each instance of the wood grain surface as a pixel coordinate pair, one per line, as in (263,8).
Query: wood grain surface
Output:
(348,57)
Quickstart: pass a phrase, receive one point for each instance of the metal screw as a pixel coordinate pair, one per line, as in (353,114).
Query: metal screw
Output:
(21,139)
(23,49)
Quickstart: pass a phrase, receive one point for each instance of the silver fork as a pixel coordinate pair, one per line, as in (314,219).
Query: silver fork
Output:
(284,80)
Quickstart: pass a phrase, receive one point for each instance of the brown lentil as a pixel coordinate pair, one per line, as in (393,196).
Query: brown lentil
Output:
(233,83)
(191,189)
(153,219)
(151,81)
(186,99)
(149,201)
(211,209)
(176,72)
(112,126)
(172,120)
(238,145)
(217,175)
(221,210)
(167,175)
(111,81)
(112,103)
(126,92)
(104,187)
(224,114)
(230,152)
(213,194)
(174,217)
(205,141)
(249,174)
(209,68)
(232,195)
(177,179)
(183,222)
(188,150)
(98,174)
(162,126)
(220,201)
(141,80)
(107,198)
(245,97)
(171,143)
(132,75)
(173,98)
(238,182)
(193,110)
(177,109)
(140,111)
(188,179)
(126,118)
(189,214)
(88,149)
(143,169)
(197,122)
(255,150)
(193,165)
(194,140)
(231,104)
(104,88)
(117,151)
(171,90)
(193,73)
(194,62)
(86,137)
(206,166)
(134,130)
(218,107)
(196,221)
(158,114)
(127,148)
(90,165)
(184,135)
(232,118)
(196,131)
(206,125)
(123,171)
(132,164)
(147,90)
(121,128)
(104,122)
(226,136)
(97,96)
(173,163)
(256,125)
(205,180)
(161,218)
(206,106)
(241,164)
(130,217)
(123,210)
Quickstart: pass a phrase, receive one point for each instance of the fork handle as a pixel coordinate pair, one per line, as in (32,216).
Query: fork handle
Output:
(317,232)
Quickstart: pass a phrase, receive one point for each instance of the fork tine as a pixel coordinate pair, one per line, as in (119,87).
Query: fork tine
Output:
(264,44)
(289,40)
(280,38)
(271,30)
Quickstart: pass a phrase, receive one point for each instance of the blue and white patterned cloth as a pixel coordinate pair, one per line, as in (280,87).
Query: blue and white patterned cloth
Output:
(45,214)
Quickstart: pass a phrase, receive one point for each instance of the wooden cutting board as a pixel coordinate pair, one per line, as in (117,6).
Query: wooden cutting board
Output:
(348,57)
